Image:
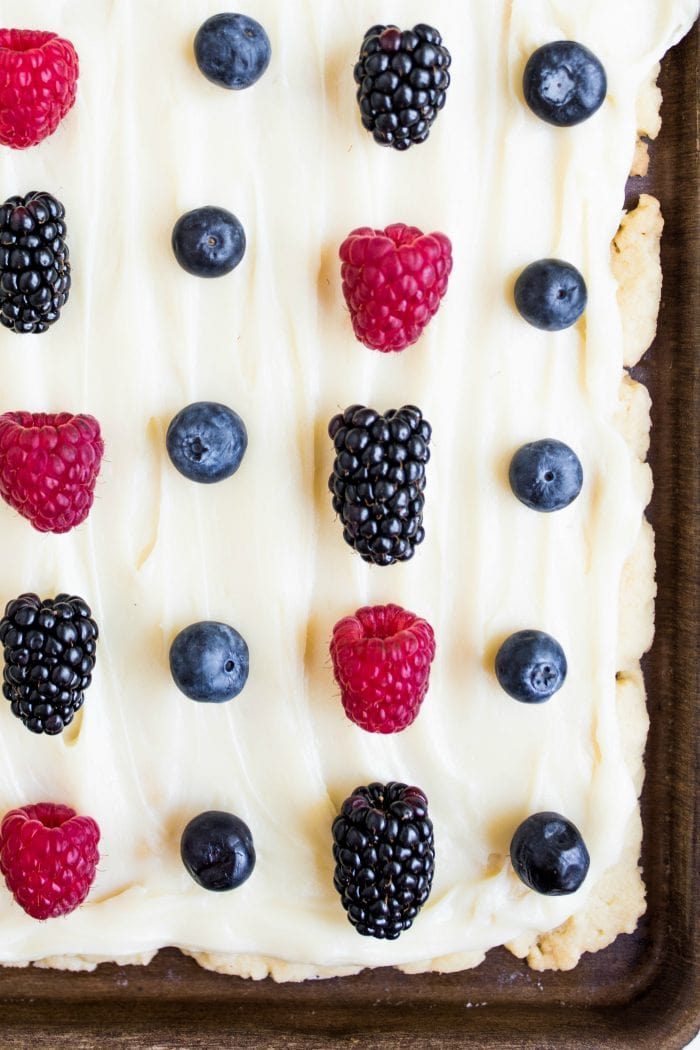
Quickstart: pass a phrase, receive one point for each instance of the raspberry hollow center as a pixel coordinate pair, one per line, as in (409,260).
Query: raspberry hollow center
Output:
(50,816)
(21,40)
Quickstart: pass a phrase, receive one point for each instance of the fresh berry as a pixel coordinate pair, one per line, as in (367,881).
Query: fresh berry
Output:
(378,480)
(34,267)
(384,857)
(49,649)
(232,51)
(564,83)
(393,282)
(217,849)
(206,441)
(546,475)
(381,661)
(551,294)
(402,80)
(549,854)
(49,466)
(38,80)
(208,242)
(531,666)
(48,856)
(209,662)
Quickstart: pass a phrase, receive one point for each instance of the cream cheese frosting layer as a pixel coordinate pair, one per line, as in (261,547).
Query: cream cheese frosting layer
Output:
(149,139)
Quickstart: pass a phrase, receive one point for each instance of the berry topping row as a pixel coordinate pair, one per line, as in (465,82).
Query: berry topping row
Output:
(393,280)
(382,841)
(381,660)
(401,75)
(50,463)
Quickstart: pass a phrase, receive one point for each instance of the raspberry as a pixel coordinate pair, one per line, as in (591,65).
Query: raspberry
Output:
(38,79)
(48,856)
(393,281)
(384,854)
(48,467)
(381,661)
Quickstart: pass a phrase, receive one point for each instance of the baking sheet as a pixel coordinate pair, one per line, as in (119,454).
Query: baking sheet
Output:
(642,991)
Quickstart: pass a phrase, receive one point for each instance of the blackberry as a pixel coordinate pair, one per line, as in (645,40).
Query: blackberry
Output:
(378,480)
(384,857)
(402,83)
(49,657)
(34,267)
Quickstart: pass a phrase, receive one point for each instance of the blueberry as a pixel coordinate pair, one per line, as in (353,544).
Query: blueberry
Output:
(564,83)
(551,294)
(208,242)
(531,666)
(549,854)
(217,850)
(206,441)
(232,51)
(546,475)
(209,662)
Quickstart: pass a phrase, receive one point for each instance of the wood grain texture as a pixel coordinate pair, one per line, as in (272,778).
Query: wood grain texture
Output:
(642,992)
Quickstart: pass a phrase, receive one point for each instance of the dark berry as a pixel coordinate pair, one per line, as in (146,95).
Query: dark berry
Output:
(49,649)
(531,666)
(384,857)
(217,850)
(564,83)
(402,82)
(551,294)
(209,662)
(206,441)
(232,51)
(208,242)
(549,855)
(34,266)
(546,475)
(378,480)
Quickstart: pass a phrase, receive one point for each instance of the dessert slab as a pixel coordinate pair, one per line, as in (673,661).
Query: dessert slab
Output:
(645,989)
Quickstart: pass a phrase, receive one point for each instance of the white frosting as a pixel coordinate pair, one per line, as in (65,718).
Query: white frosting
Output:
(150,138)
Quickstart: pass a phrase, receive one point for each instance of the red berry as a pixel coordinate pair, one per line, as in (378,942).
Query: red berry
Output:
(48,467)
(48,856)
(393,281)
(381,661)
(38,79)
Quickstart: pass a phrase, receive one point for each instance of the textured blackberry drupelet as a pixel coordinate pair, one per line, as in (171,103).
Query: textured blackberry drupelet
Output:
(34,268)
(49,658)
(385,857)
(402,80)
(378,480)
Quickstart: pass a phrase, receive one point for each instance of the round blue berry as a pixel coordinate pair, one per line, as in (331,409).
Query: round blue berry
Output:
(232,51)
(564,83)
(551,294)
(531,666)
(208,242)
(549,855)
(546,475)
(217,850)
(206,441)
(209,662)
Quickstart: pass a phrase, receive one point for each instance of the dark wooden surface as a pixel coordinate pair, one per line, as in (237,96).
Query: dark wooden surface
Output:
(642,992)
